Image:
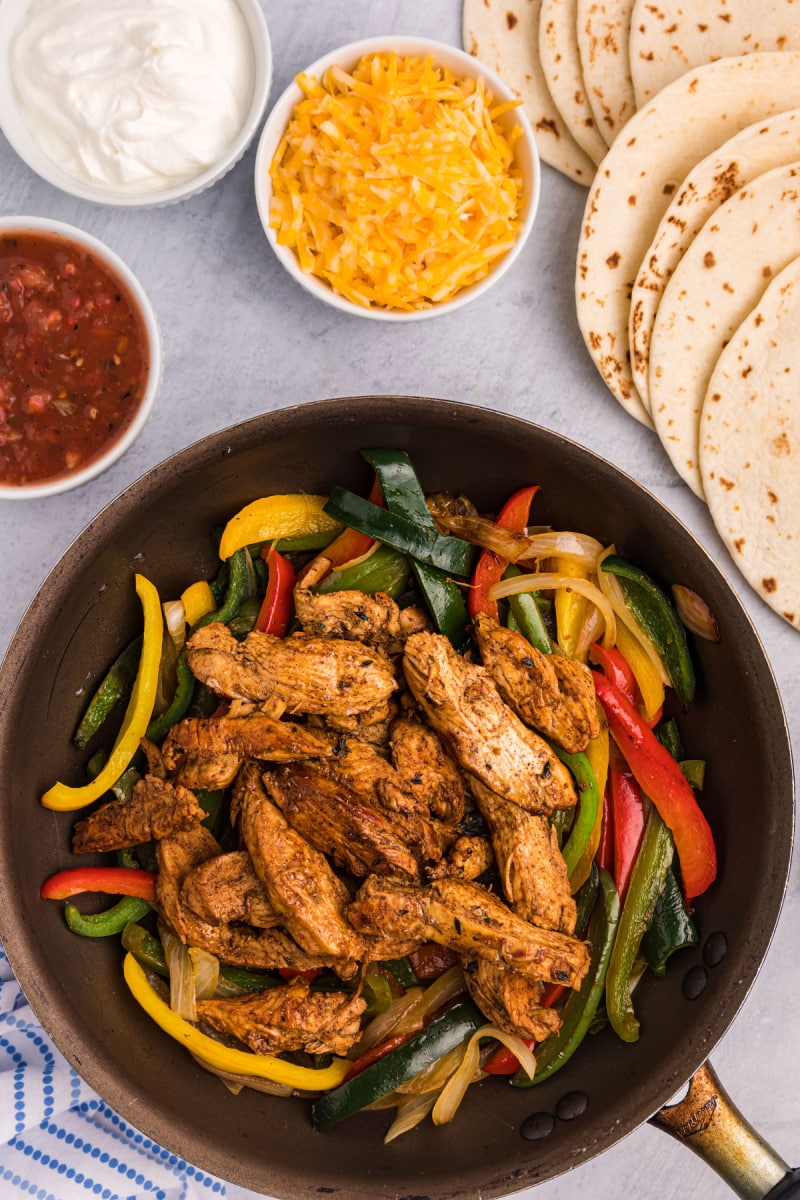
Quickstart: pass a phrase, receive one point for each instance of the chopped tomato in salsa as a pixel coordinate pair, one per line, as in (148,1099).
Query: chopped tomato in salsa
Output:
(73,357)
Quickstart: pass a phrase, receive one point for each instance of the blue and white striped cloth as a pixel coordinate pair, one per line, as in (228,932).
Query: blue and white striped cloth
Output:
(59,1141)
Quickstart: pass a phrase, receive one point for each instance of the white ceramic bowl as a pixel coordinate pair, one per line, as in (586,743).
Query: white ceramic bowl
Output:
(115,265)
(18,133)
(462,65)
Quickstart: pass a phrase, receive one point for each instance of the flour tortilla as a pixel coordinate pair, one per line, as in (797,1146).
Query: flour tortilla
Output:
(673,36)
(758,148)
(720,279)
(505,36)
(561,63)
(603,27)
(750,443)
(639,176)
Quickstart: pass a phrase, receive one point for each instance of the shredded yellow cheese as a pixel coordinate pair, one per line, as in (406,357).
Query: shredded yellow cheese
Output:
(395,183)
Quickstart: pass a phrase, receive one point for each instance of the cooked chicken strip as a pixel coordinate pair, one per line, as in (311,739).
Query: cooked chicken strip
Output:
(481,732)
(156,809)
(531,866)
(427,770)
(237,944)
(359,767)
(337,822)
(208,774)
(467,858)
(252,736)
(551,692)
(310,674)
(375,620)
(470,920)
(226,888)
(509,1000)
(300,883)
(289,1018)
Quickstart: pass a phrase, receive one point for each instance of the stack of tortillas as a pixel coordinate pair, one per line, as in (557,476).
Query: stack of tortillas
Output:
(684,119)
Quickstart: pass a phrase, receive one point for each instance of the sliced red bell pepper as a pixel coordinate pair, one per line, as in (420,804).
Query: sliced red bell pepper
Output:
(660,778)
(289,973)
(503,1061)
(514,515)
(431,960)
(616,668)
(114,881)
(278,603)
(628,821)
(605,850)
(377,1053)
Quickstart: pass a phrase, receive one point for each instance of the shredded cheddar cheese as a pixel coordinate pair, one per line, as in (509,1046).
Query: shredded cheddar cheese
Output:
(396,184)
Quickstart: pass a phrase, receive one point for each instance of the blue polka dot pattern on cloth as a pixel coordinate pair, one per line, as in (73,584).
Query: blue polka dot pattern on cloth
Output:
(59,1141)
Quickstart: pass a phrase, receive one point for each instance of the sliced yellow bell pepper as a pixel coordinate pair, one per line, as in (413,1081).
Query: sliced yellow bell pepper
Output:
(63,798)
(224,1058)
(570,607)
(597,752)
(645,674)
(197,600)
(274,517)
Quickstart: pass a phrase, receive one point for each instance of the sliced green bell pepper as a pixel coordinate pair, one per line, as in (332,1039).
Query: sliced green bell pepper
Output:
(657,616)
(399,1065)
(671,928)
(104,924)
(386,570)
(116,683)
(526,616)
(588,800)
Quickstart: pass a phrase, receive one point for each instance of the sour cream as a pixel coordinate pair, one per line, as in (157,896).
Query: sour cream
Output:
(133,95)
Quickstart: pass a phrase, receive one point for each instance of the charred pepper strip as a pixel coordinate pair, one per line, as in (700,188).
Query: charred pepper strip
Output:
(117,683)
(661,778)
(105,924)
(647,883)
(656,614)
(239,1062)
(581,1005)
(449,554)
(399,1065)
(64,798)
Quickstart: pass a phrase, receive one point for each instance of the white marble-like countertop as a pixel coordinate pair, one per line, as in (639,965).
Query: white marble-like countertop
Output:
(240,337)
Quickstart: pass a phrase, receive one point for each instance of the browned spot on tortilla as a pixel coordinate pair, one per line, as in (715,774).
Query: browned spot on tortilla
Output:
(702,28)
(781,444)
(511,19)
(790,617)
(727,483)
(716,397)
(738,544)
(613,260)
(632,200)
(766,272)
(548,126)
(769,585)
(724,17)
(758,320)
(725,182)
(668,189)
(747,371)
(773,499)
(670,29)
(647,57)
(726,287)
(694,85)
(709,260)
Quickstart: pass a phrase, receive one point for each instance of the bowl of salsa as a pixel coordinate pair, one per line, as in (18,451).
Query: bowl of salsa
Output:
(80,357)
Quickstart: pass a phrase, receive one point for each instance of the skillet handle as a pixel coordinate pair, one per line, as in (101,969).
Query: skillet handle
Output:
(710,1124)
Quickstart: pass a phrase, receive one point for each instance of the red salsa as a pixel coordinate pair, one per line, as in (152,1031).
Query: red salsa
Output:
(73,357)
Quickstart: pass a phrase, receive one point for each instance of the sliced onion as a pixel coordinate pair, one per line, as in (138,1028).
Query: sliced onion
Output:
(550,582)
(380,1027)
(612,590)
(205,970)
(360,558)
(455,1089)
(410,1112)
(591,629)
(433,1077)
(175,618)
(515,1044)
(519,547)
(695,613)
(235,1083)
(181,975)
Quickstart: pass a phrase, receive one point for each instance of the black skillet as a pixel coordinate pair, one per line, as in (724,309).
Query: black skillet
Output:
(86,612)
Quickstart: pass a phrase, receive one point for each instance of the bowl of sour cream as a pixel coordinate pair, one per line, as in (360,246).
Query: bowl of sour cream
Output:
(132,102)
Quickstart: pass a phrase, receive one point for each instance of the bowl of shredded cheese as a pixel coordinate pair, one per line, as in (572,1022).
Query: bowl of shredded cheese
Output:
(397,178)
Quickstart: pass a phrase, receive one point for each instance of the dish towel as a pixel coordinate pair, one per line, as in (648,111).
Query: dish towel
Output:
(59,1141)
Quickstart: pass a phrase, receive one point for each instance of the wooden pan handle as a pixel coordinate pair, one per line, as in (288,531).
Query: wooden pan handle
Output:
(710,1124)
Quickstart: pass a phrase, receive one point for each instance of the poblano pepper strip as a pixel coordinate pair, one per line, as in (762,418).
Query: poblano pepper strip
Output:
(671,928)
(657,616)
(116,683)
(646,885)
(445,602)
(581,1005)
(386,570)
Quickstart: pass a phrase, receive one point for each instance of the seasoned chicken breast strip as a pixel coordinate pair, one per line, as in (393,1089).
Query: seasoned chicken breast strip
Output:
(288,1019)
(427,770)
(226,888)
(337,822)
(482,733)
(253,736)
(508,999)
(470,920)
(551,692)
(155,810)
(532,869)
(374,619)
(310,674)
